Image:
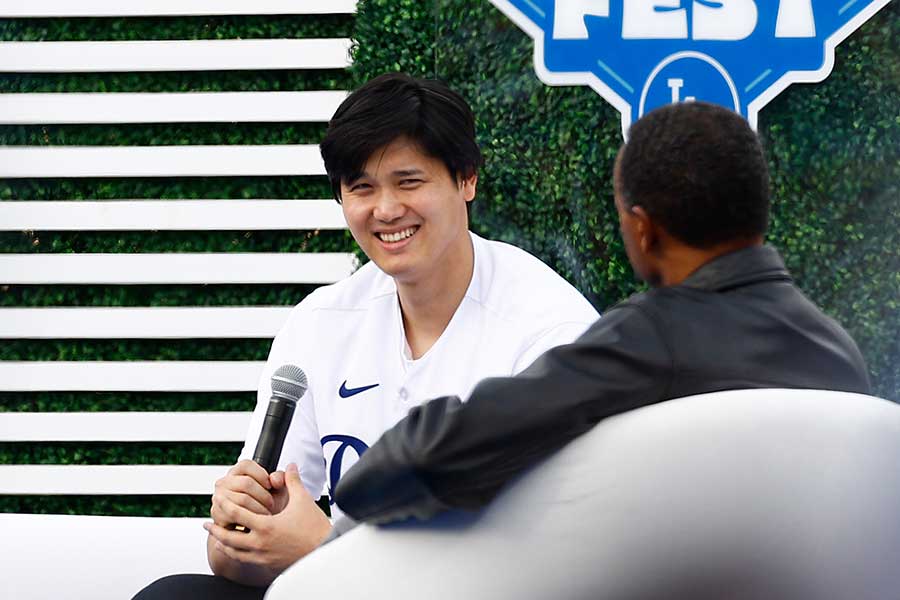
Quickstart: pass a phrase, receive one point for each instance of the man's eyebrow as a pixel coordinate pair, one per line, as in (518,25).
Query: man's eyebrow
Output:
(408,172)
(354,177)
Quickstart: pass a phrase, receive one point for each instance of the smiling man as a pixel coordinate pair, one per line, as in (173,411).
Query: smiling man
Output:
(435,310)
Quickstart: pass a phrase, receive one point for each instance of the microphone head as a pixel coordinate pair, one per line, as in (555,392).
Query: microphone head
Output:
(289,382)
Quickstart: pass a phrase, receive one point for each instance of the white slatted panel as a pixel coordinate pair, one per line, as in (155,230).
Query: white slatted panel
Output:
(160,161)
(145,269)
(109,479)
(144,323)
(186,107)
(170,215)
(147,8)
(124,427)
(142,215)
(130,376)
(174,55)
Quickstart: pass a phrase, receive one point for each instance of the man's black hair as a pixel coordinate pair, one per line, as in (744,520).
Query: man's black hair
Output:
(396,105)
(698,170)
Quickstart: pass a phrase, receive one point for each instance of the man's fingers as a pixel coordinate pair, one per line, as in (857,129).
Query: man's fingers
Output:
(248,502)
(244,484)
(220,516)
(251,469)
(242,556)
(233,540)
(277,480)
(229,512)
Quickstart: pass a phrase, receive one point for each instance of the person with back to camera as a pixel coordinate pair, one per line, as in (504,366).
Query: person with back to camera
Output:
(692,195)
(436,310)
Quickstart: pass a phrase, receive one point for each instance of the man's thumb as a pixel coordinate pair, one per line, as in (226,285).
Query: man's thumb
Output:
(292,479)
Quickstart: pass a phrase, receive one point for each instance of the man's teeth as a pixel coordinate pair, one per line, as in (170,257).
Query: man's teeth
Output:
(396,237)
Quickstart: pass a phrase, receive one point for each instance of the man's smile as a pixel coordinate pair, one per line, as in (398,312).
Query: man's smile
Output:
(397,236)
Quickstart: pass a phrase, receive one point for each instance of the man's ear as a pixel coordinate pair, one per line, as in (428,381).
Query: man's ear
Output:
(469,186)
(648,236)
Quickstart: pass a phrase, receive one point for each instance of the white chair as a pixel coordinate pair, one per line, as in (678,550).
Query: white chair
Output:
(752,494)
(105,557)
(81,557)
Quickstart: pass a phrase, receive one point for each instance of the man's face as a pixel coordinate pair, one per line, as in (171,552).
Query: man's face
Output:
(407,213)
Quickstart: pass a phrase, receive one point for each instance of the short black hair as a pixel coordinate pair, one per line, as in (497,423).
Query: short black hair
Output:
(699,171)
(396,105)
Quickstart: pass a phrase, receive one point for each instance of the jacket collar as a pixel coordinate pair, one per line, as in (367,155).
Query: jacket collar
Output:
(739,268)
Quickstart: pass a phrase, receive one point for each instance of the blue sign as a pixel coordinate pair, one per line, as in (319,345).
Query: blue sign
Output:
(642,54)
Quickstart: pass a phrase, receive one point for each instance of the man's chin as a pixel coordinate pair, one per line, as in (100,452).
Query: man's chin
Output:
(398,270)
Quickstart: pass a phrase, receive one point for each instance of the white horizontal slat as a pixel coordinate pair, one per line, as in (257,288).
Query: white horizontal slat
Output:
(160,161)
(172,268)
(170,215)
(109,479)
(124,427)
(130,376)
(187,107)
(174,55)
(142,323)
(147,8)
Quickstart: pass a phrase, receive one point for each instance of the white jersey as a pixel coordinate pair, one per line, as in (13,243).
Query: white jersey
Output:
(349,339)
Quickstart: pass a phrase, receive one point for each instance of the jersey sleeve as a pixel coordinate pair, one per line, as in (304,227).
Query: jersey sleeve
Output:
(562,333)
(569,318)
(301,446)
(447,454)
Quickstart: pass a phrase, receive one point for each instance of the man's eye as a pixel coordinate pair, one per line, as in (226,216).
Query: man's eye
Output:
(359,187)
(410,182)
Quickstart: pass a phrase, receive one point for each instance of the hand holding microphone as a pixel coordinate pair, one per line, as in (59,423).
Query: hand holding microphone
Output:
(286,524)
(288,386)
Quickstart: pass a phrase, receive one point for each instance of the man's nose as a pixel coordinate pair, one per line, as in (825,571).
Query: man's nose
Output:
(388,207)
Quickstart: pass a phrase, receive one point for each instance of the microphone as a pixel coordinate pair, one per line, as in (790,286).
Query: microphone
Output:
(288,386)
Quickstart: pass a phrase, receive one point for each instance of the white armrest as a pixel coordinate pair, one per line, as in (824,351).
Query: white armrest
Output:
(755,494)
(95,558)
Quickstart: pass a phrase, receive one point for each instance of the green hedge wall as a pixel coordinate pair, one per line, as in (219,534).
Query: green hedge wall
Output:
(833,147)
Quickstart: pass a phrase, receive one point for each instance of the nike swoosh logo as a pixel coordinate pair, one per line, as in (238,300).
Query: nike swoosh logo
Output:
(346,392)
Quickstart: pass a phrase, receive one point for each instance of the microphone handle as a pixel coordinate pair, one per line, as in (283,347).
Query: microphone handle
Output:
(274,430)
(271,440)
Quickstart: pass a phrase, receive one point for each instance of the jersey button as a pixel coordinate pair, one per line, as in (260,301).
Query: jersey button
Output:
(403,394)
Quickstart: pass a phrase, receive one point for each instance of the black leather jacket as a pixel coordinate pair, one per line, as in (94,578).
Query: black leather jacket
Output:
(737,322)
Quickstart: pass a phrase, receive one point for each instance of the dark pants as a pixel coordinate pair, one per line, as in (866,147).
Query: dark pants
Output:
(199,587)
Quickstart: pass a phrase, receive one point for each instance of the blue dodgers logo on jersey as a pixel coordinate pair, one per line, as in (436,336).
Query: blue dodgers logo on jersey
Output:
(344,443)
(642,54)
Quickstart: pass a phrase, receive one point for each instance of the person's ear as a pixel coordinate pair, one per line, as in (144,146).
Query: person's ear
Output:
(469,186)
(647,235)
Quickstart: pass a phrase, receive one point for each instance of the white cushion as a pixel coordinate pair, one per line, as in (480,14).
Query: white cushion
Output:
(753,494)
(52,557)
